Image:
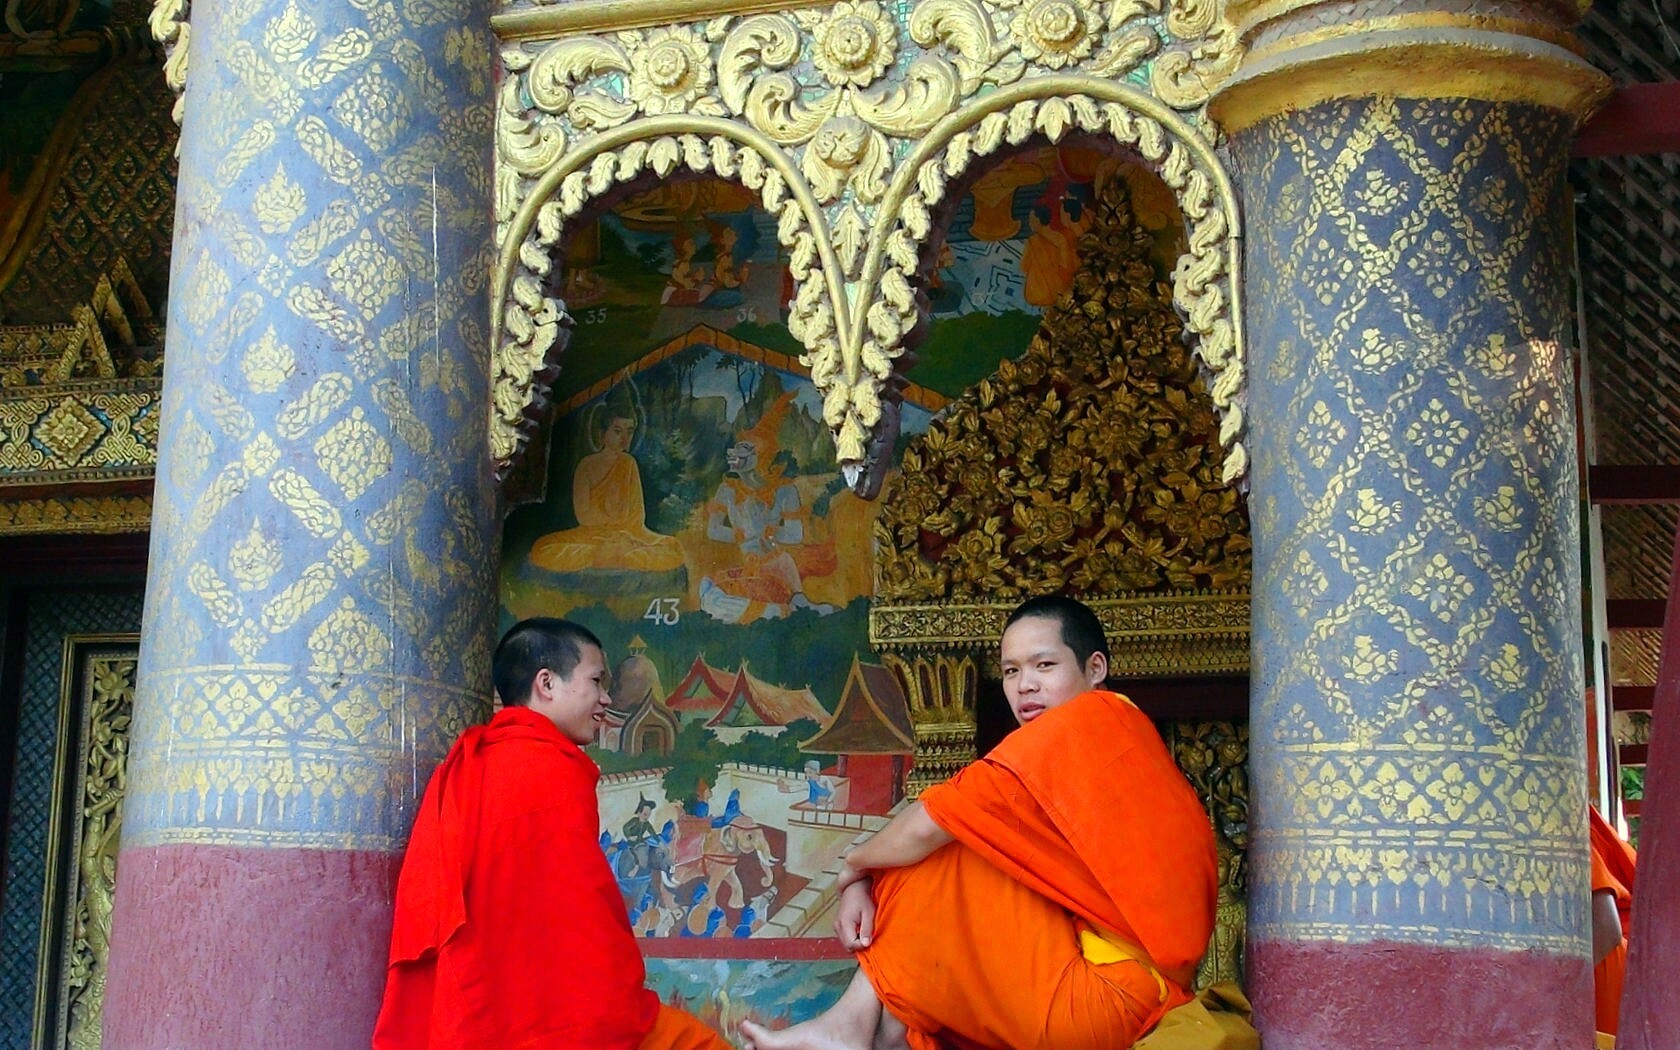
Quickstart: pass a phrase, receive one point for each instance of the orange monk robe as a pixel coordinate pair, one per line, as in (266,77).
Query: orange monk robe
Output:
(1612,871)
(510,932)
(1078,819)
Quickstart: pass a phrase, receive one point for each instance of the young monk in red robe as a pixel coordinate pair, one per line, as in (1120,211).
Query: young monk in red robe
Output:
(1612,918)
(510,932)
(1055,895)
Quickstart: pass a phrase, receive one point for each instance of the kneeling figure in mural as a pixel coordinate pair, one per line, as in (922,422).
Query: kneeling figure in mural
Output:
(1057,893)
(510,930)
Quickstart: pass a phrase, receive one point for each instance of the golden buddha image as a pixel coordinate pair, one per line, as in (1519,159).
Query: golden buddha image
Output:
(611,532)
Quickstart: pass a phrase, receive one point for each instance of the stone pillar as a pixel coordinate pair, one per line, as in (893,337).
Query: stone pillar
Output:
(1419,864)
(320,594)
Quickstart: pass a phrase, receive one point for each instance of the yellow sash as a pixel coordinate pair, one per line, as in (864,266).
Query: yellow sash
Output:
(1101,948)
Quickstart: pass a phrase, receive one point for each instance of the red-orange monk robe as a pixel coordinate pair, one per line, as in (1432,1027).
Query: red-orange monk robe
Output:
(1612,871)
(510,932)
(1078,821)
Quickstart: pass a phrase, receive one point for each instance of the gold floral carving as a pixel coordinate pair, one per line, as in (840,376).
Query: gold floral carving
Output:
(171,29)
(96,705)
(1214,756)
(78,404)
(851,124)
(1089,465)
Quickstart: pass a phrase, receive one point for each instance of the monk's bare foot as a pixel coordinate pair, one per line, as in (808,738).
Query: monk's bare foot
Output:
(834,1030)
(891,1033)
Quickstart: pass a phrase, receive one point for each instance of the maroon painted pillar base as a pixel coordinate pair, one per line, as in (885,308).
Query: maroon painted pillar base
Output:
(251,948)
(1390,995)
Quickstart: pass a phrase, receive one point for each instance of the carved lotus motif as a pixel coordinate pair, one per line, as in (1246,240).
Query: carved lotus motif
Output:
(855,44)
(670,70)
(1056,33)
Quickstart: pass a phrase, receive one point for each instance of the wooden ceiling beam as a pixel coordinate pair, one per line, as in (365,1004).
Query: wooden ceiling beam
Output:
(1650,483)
(1632,697)
(1639,118)
(1635,613)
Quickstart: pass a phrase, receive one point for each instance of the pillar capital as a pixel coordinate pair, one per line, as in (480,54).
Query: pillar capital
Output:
(1299,53)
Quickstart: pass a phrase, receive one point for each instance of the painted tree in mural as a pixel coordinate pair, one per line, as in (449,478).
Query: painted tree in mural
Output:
(1088,465)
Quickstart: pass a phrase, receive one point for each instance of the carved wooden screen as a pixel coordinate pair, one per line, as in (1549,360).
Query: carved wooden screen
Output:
(95,705)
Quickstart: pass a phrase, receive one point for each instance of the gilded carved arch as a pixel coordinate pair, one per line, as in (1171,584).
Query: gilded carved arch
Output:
(850,125)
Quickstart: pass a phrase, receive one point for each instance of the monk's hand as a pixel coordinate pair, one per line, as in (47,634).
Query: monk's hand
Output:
(855,925)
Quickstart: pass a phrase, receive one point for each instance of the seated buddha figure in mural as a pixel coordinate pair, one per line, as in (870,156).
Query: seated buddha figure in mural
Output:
(688,283)
(761,515)
(612,530)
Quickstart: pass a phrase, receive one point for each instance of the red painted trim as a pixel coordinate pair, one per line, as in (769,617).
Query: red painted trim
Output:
(1650,1009)
(1639,118)
(1324,995)
(1652,483)
(1635,613)
(1633,697)
(1633,754)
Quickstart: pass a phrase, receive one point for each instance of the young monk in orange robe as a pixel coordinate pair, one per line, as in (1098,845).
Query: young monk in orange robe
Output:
(510,932)
(1612,904)
(1055,895)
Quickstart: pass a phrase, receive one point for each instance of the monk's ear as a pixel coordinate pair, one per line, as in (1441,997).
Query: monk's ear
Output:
(1096,669)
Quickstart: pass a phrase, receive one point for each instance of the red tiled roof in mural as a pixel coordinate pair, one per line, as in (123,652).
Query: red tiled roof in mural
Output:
(755,702)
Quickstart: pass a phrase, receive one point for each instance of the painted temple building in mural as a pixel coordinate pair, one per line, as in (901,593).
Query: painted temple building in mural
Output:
(788,348)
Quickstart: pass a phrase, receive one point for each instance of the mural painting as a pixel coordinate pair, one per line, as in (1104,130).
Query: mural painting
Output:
(693,516)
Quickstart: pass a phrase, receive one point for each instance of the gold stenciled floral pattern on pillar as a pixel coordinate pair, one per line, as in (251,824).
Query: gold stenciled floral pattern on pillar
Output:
(1418,668)
(320,587)
(849,121)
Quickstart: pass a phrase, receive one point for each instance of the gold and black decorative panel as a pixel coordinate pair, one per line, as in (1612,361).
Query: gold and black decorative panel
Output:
(89,777)
(113,199)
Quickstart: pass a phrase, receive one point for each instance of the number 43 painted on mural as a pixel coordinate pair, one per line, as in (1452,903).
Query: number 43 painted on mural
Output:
(663,611)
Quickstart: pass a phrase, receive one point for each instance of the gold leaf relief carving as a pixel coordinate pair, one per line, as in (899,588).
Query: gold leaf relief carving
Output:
(103,780)
(838,115)
(1059,472)
(69,430)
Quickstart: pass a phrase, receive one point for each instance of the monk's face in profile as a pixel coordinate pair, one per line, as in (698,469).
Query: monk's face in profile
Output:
(577,703)
(1040,670)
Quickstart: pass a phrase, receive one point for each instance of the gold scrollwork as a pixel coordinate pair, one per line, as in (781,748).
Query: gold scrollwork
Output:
(1087,465)
(96,705)
(851,125)
(171,29)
